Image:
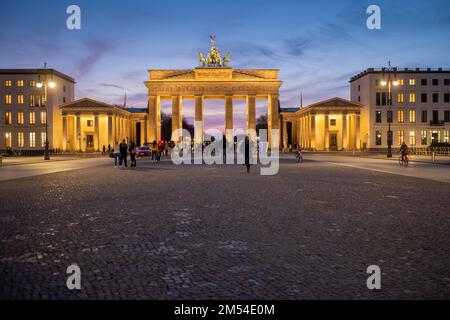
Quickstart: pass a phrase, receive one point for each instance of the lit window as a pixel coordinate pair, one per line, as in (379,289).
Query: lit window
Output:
(8,83)
(8,117)
(412,116)
(43,138)
(20,140)
(20,99)
(446,136)
(32,100)
(43,117)
(412,138)
(423,137)
(412,97)
(32,83)
(333,122)
(20,117)
(401,137)
(20,83)
(8,99)
(400,82)
(400,116)
(90,123)
(8,140)
(32,139)
(412,82)
(400,98)
(32,117)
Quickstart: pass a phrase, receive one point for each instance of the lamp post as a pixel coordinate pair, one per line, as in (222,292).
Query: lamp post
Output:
(389,81)
(51,85)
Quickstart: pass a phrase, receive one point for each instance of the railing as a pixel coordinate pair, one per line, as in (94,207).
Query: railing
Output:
(429,151)
(440,123)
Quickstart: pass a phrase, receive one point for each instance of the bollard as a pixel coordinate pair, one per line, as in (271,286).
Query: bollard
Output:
(433,157)
(1,159)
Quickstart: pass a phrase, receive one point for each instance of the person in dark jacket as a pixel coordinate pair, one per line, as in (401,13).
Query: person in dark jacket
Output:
(224,142)
(132,150)
(247,153)
(124,152)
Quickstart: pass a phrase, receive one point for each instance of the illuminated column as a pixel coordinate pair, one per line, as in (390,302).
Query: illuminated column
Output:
(229,133)
(251,116)
(295,132)
(154,114)
(358,131)
(327,132)
(313,131)
(96,134)
(110,131)
(65,138)
(344,132)
(177,118)
(198,135)
(273,119)
(284,140)
(78,132)
(145,126)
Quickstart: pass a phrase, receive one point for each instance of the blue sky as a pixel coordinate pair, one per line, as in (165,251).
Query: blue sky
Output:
(317,45)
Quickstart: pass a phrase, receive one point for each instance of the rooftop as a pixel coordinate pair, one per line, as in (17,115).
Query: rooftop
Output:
(399,70)
(39,72)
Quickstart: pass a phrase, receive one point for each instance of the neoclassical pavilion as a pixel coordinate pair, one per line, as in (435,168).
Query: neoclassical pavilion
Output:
(88,125)
(332,124)
(212,80)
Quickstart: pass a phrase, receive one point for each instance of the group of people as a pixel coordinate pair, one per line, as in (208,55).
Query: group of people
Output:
(120,153)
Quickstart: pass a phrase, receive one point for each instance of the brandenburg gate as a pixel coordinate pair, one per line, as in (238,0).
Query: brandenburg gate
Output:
(213,79)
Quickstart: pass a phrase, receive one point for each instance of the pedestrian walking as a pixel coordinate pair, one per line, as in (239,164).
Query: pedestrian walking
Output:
(123,153)
(116,154)
(104,149)
(247,153)
(224,145)
(166,148)
(132,150)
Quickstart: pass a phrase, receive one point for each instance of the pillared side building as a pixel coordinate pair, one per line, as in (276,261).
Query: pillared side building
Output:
(40,102)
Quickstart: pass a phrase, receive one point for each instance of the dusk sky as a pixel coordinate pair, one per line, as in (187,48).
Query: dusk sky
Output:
(317,45)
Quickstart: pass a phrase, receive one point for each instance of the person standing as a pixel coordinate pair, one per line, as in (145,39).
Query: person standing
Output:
(154,151)
(132,150)
(124,152)
(116,154)
(247,153)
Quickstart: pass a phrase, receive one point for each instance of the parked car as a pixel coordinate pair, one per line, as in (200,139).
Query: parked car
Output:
(143,151)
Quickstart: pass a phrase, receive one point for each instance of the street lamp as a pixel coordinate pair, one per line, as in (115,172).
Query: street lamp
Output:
(51,85)
(390,81)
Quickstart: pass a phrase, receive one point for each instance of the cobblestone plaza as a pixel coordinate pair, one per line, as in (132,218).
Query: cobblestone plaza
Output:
(213,232)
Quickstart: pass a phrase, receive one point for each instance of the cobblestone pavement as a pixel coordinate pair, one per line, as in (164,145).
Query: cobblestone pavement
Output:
(199,232)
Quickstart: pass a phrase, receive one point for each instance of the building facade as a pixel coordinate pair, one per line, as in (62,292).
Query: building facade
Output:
(420,110)
(89,125)
(30,100)
(329,125)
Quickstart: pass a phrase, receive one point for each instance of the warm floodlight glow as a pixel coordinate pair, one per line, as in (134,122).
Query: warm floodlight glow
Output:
(51,84)
(39,84)
(383,83)
(395,83)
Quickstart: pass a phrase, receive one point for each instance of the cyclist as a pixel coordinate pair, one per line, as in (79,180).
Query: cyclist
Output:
(404,151)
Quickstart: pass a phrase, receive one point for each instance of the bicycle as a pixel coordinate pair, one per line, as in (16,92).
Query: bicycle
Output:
(405,161)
